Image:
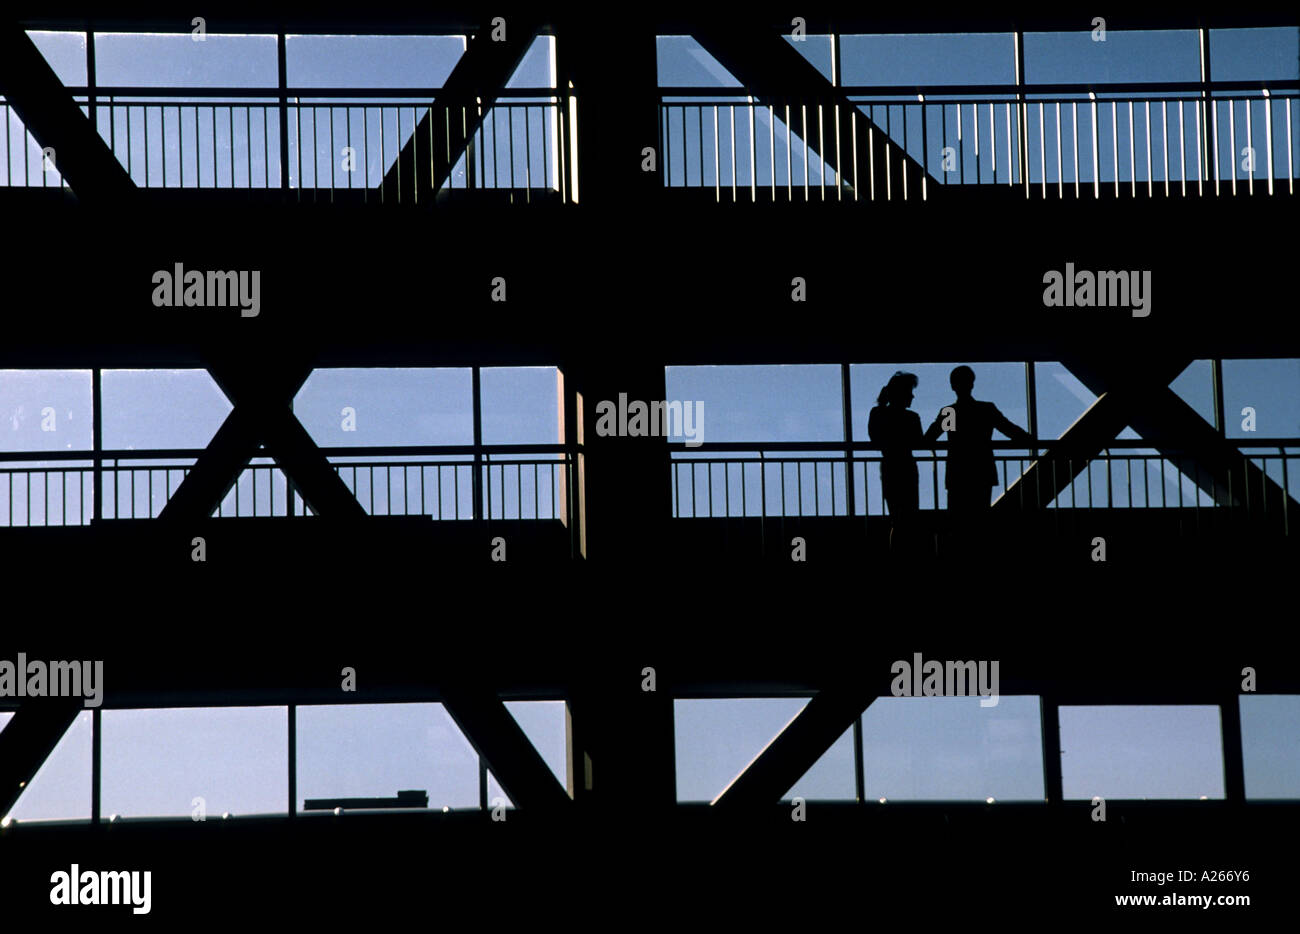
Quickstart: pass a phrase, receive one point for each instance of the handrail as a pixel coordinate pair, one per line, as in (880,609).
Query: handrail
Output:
(367,451)
(1102,87)
(1041,443)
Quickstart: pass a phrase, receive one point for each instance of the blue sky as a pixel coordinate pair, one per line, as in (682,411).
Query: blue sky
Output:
(156,762)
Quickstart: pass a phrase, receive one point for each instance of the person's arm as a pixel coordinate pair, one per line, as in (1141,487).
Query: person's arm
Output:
(873,426)
(1010,428)
(935,430)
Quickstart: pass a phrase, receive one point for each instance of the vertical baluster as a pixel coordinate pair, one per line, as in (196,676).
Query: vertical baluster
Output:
(803,139)
(789,161)
(1150,180)
(1096,149)
(1250,147)
(1132,166)
(771,154)
(1232,142)
(839,165)
(821,152)
(1164,138)
(1268,143)
(1114,142)
(1060,174)
(1074,106)
(1042,148)
(753,162)
(732,109)
(717,161)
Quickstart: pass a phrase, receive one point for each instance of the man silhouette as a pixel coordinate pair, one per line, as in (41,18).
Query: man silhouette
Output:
(971,473)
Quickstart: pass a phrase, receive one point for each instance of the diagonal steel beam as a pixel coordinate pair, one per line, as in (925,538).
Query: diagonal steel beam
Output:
(776,74)
(40,100)
(217,469)
(261,415)
(796,748)
(1183,437)
(1116,405)
(444,132)
(495,735)
(26,742)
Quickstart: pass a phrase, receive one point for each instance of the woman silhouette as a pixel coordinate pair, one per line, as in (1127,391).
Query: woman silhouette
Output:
(897,430)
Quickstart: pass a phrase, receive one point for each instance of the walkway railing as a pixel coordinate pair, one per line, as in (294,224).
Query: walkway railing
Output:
(792,479)
(323,143)
(489,482)
(1171,139)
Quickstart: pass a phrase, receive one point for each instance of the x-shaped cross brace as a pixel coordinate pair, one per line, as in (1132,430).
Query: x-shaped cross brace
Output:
(262,416)
(1136,394)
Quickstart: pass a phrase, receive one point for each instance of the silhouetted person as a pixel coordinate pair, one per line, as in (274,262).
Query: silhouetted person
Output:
(971,473)
(897,429)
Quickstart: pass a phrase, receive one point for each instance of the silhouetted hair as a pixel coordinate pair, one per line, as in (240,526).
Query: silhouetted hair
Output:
(961,376)
(896,389)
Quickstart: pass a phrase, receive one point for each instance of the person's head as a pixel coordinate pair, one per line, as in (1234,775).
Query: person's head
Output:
(962,380)
(898,391)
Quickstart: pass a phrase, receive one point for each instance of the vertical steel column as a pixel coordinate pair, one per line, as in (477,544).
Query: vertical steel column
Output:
(1051,723)
(482,784)
(1220,421)
(859,781)
(293,760)
(571,436)
(282,71)
(1234,773)
(477,482)
(1022,129)
(96,770)
(288,489)
(1211,153)
(846,392)
(91,96)
(1031,403)
(97,440)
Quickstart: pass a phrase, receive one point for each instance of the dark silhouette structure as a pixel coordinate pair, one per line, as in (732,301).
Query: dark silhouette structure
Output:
(603,260)
(971,472)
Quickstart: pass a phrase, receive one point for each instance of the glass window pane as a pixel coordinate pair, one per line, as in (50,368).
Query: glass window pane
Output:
(952,749)
(1141,752)
(60,789)
(359,406)
(46,410)
(377,750)
(761,403)
(520,405)
(160,409)
(1270,389)
(683,62)
(537,68)
(1061,397)
(818,51)
(1270,741)
(717,737)
(1248,54)
(496,795)
(371,61)
(1195,386)
(156,762)
(65,52)
(976,58)
(543,724)
(1076,57)
(154,60)
(832,777)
